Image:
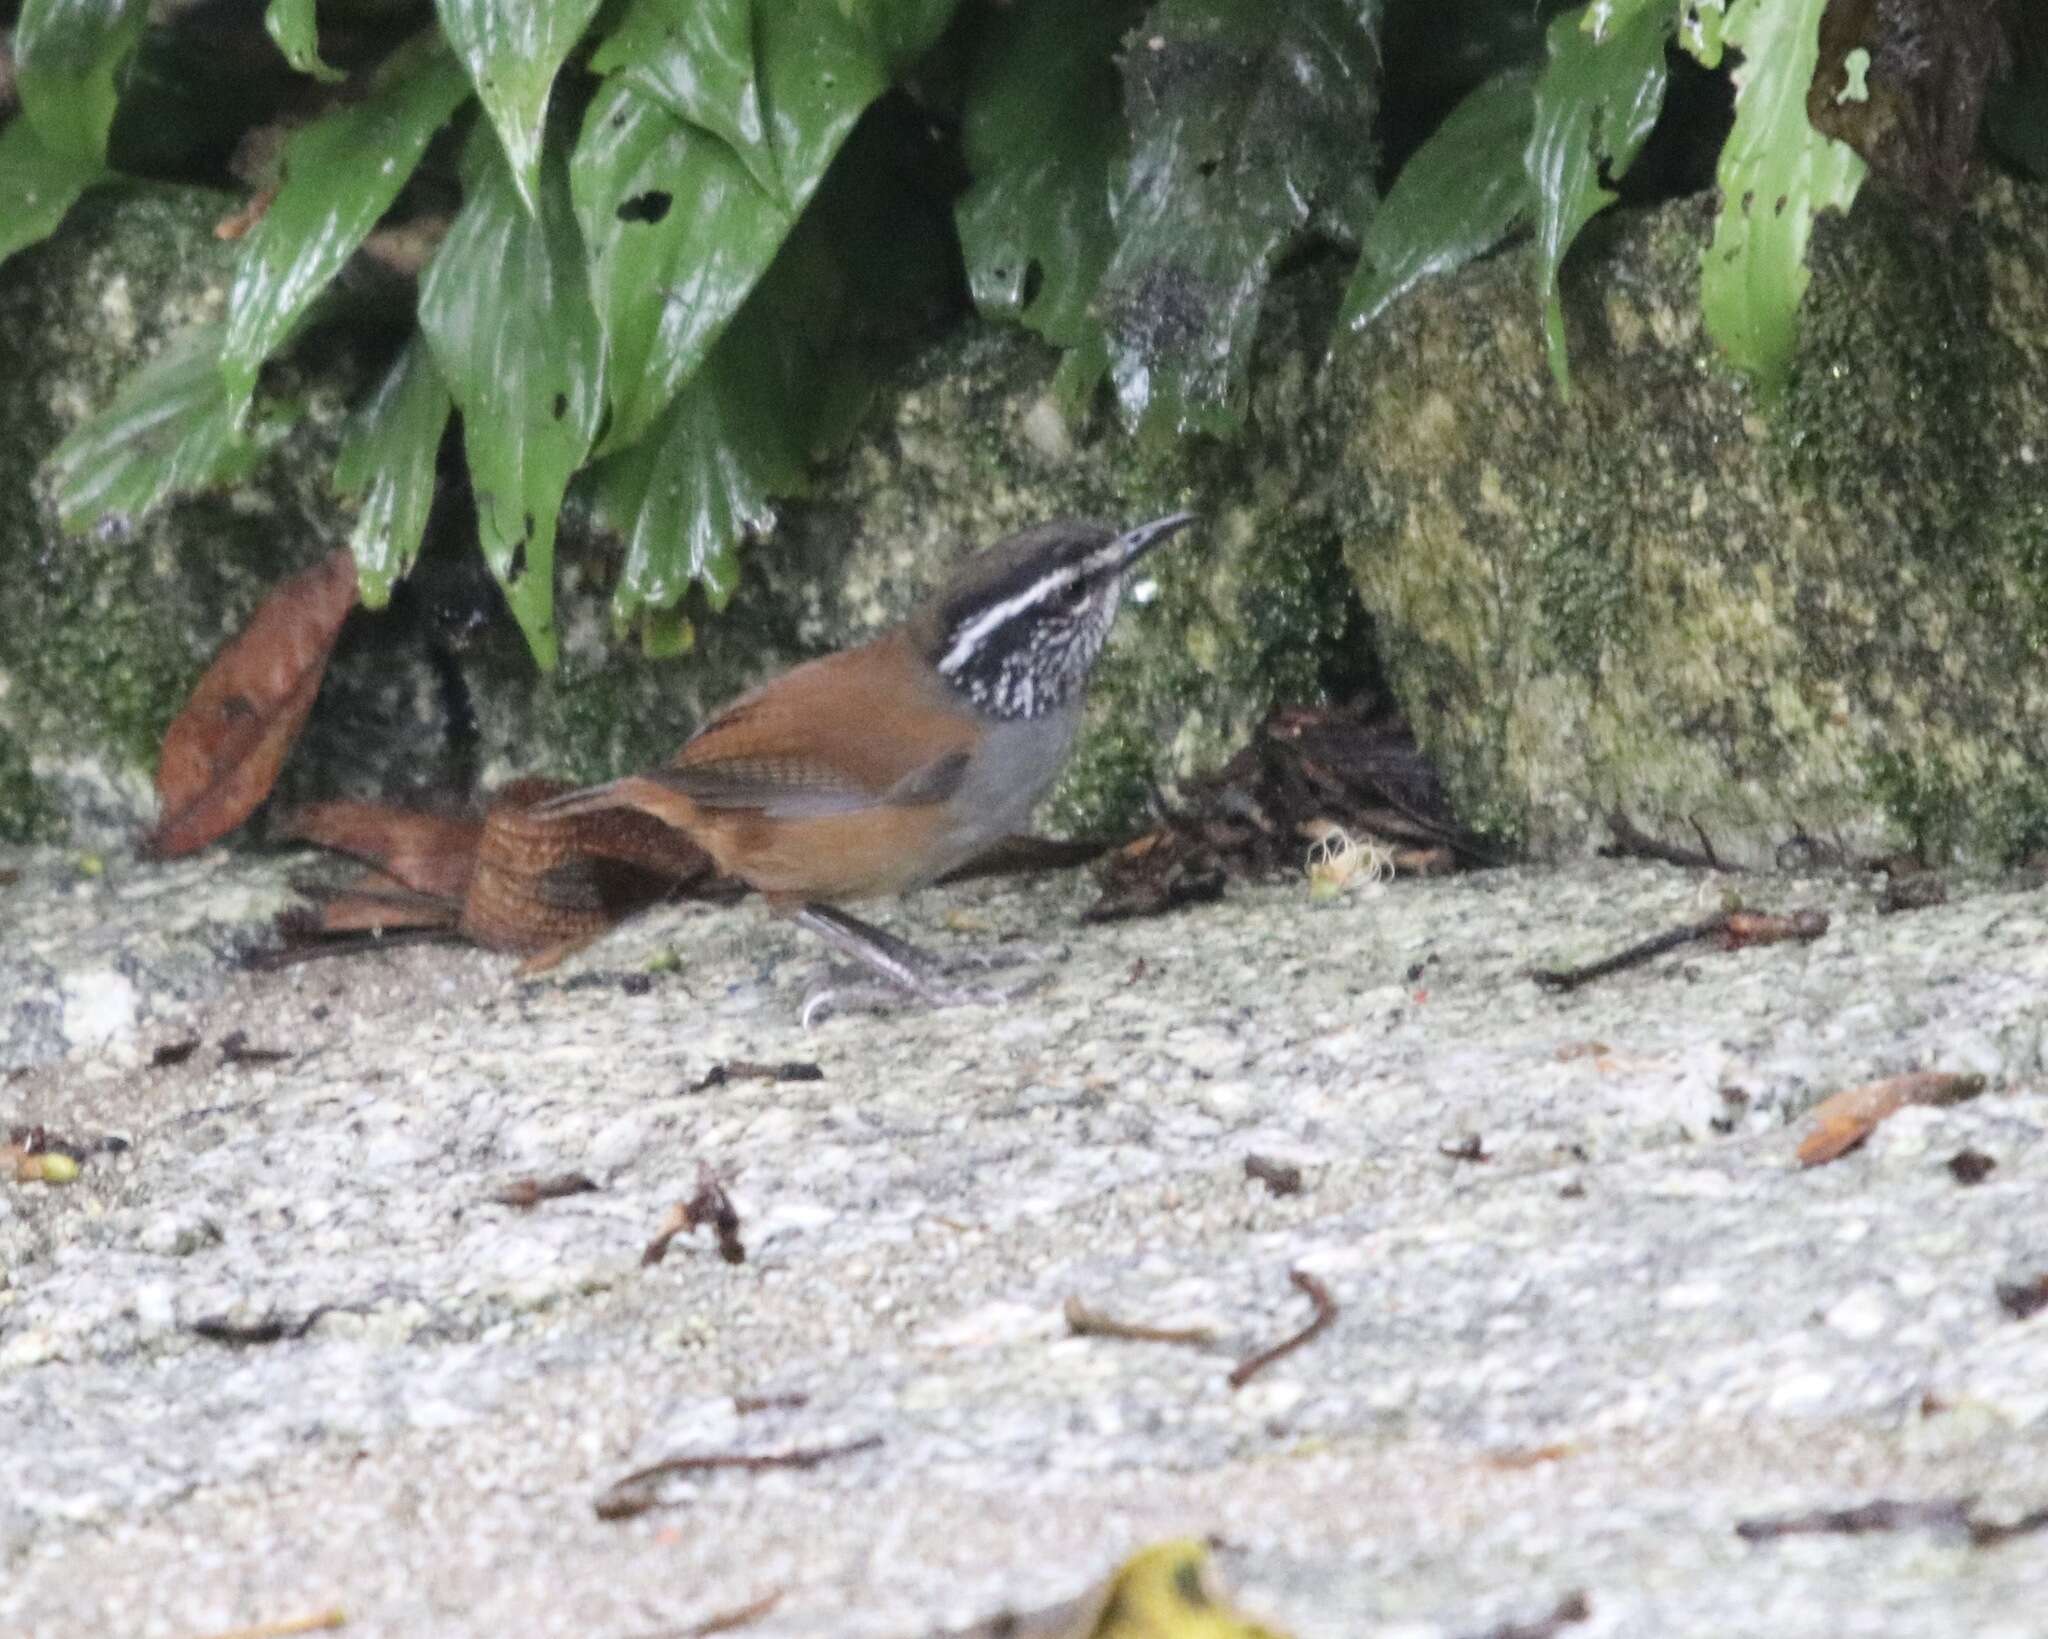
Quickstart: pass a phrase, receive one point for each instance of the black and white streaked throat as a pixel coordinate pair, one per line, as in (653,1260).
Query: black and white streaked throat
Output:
(1022,626)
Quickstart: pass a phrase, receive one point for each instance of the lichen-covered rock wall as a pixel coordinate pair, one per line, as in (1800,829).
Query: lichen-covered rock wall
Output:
(1825,619)
(105,634)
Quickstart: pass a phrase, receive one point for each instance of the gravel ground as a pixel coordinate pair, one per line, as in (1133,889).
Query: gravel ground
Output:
(1575,1364)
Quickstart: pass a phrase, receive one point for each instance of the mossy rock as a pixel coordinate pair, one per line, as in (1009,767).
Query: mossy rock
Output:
(435,697)
(1822,619)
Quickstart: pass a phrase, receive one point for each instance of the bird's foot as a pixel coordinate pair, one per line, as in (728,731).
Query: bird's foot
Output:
(853,988)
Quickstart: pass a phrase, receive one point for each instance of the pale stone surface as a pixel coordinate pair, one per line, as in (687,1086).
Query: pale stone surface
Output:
(1576,1364)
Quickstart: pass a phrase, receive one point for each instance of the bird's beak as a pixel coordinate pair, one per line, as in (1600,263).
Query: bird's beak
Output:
(1133,544)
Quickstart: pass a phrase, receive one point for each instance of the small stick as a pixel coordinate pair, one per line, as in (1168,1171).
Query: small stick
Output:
(725,1621)
(1630,843)
(1885,1514)
(1731,930)
(1083,1321)
(530,1192)
(1572,1609)
(635,1493)
(319,1622)
(1281,1177)
(1326,1311)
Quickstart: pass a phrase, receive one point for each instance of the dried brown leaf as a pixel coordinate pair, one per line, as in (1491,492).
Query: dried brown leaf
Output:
(1843,1121)
(222,752)
(428,853)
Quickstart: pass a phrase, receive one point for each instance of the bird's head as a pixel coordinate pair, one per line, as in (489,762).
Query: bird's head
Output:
(1018,628)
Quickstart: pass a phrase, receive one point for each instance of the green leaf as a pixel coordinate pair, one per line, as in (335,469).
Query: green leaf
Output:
(1460,194)
(678,233)
(1701,29)
(1043,135)
(781,384)
(38,184)
(387,459)
(341,174)
(291,24)
(168,432)
(819,72)
(904,29)
(1604,19)
(506,309)
(678,228)
(1776,172)
(696,58)
(513,50)
(1249,124)
(1595,104)
(68,54)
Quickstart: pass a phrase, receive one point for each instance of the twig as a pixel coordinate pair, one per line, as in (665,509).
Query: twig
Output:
(319,1622)
(1281,1177)
(1326,1311)
(1083,1321)
(1884,1514)
(1731,930)
(271,1329)
(1570,1610)
(710,1205)
(1630,843)
(635,1493)
(1469,1148)
(725,1621)
(530,1192)
(746,1070)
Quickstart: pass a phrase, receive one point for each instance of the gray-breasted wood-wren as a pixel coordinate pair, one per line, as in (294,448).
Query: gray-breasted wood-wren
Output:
(882,767)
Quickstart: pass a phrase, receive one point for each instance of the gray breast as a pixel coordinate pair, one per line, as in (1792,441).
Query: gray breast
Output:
(1012,768)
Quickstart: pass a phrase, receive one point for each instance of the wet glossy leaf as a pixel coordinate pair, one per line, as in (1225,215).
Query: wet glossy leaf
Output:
(222,752)
(1595,103)
(1043,135)
(1248,125)
(68,57)
(678,234)
(1460,194)
(904,29)
(702,481)
(506,310)
(387,459)
(696,58)
(169,431)
(1904,83)
(819,72)
(679,229)
(38,184)
(513,50)
(341,174)
(1776,173)
(291,24)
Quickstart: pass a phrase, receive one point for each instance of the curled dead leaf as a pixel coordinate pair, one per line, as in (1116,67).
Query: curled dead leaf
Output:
(1846,1119)
(222,753)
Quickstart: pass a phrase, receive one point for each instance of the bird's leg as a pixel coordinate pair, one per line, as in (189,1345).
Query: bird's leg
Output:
(901,963)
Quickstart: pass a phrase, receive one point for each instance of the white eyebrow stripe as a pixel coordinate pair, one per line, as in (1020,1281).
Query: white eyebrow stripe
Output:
(989,619)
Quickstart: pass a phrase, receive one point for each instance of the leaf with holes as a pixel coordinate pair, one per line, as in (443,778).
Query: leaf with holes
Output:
(222,753)
(341,174)
(292,25)
(678,234)
(38,185)
(513,49)
(506,310)
(1248,126)
(68,58)
(1776,173)
(387,460)
(169,431)
(696,58)
(1595,103)
(1460,194)
(1043,134)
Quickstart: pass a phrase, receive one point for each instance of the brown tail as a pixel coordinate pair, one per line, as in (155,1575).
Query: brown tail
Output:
(644,792)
